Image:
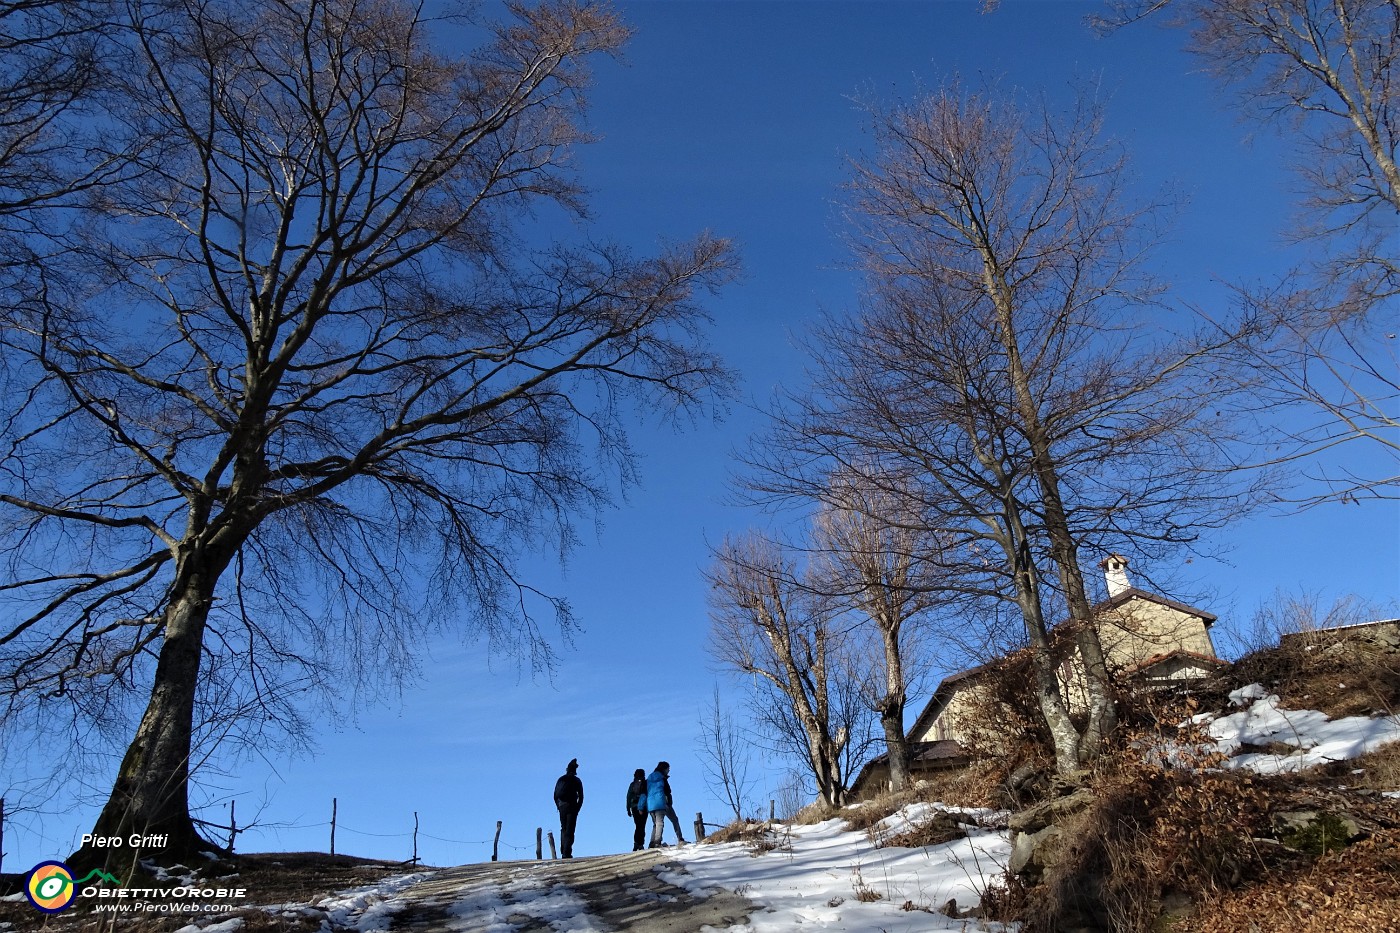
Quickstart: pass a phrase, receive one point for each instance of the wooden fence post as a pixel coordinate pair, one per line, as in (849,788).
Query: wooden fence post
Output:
(415,837)
(699,826)
(771,805)
(334,806)
(496,842)
(550,836)
(539,843)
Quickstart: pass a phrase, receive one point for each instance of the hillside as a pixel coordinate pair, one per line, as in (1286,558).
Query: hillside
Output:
(1272,802)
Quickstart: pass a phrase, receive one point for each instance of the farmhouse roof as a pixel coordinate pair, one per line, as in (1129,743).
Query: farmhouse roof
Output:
(1133,592)
(943,753)
(1156,659)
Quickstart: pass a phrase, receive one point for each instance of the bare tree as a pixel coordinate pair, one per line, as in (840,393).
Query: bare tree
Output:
(874,559)
(1324,373)
(996,381)
(1324,72)
(725,753)
(771,624)
(50,63)
(1323,67)
(299,369)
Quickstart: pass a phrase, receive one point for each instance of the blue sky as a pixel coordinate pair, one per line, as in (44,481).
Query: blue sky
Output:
(737,117)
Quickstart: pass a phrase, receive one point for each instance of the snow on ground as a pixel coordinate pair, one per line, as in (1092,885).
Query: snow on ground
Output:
(810,882)
(371,907)
(814,883)
(815,876)
(1316,738)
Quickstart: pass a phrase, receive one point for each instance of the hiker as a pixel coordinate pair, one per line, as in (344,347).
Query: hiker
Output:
(568,797)
(637,806)
(659,805)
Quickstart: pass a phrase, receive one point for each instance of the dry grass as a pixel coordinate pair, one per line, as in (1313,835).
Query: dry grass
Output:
(815,812)
(1380,770)
(1151,831)
(980,784)
(1356,889)
(1339,675)
(737,831)
(934,831)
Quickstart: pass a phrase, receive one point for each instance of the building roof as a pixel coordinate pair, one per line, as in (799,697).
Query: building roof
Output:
(1133,592)
(944,753)
(1144,666)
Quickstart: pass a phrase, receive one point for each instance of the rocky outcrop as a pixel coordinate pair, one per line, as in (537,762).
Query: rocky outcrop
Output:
(1036,833)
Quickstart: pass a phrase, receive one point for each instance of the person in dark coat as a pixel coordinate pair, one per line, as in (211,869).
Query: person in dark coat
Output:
(568,797)
(659,805)
(637,807)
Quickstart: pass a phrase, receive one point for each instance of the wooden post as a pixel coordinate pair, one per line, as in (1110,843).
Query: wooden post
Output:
(550,836)
(334,806)
(415,837)
(771,805)
(699,826)
(232,825)
(539,843)
(496,842)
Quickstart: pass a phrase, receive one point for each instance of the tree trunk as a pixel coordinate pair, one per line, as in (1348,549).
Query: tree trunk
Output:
(150,797)
(891,709)
(1067,740)
(896,743)
(1102,716)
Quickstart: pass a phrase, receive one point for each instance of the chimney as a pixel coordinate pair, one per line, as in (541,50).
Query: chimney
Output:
(1115,574)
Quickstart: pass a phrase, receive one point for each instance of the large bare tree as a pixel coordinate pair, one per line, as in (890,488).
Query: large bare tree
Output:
(50,65)
(298,390)
(1006,375)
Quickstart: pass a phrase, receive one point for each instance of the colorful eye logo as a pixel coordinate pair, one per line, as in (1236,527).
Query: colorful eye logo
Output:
(50,887)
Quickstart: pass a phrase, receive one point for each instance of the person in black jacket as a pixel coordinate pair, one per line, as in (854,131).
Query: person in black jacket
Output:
(568,797)
(637,807)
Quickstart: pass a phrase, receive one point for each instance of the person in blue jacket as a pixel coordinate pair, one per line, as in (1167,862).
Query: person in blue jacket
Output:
(659,805)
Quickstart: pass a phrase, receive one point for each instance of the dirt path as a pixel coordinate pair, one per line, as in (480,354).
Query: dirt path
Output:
(601,894)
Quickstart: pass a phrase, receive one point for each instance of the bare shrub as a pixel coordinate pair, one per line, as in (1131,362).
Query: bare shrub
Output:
(769,839)
(864,892)
(1357,890)
(1001,718)
(815,812)
(934,831)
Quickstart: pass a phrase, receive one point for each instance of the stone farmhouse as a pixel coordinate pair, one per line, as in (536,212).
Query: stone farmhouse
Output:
(1147,638)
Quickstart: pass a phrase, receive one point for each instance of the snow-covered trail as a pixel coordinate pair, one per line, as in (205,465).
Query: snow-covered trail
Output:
(599,894)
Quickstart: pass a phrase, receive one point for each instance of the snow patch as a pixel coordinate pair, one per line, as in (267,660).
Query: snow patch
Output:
(371,908)
(813,884)
(1317,738)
